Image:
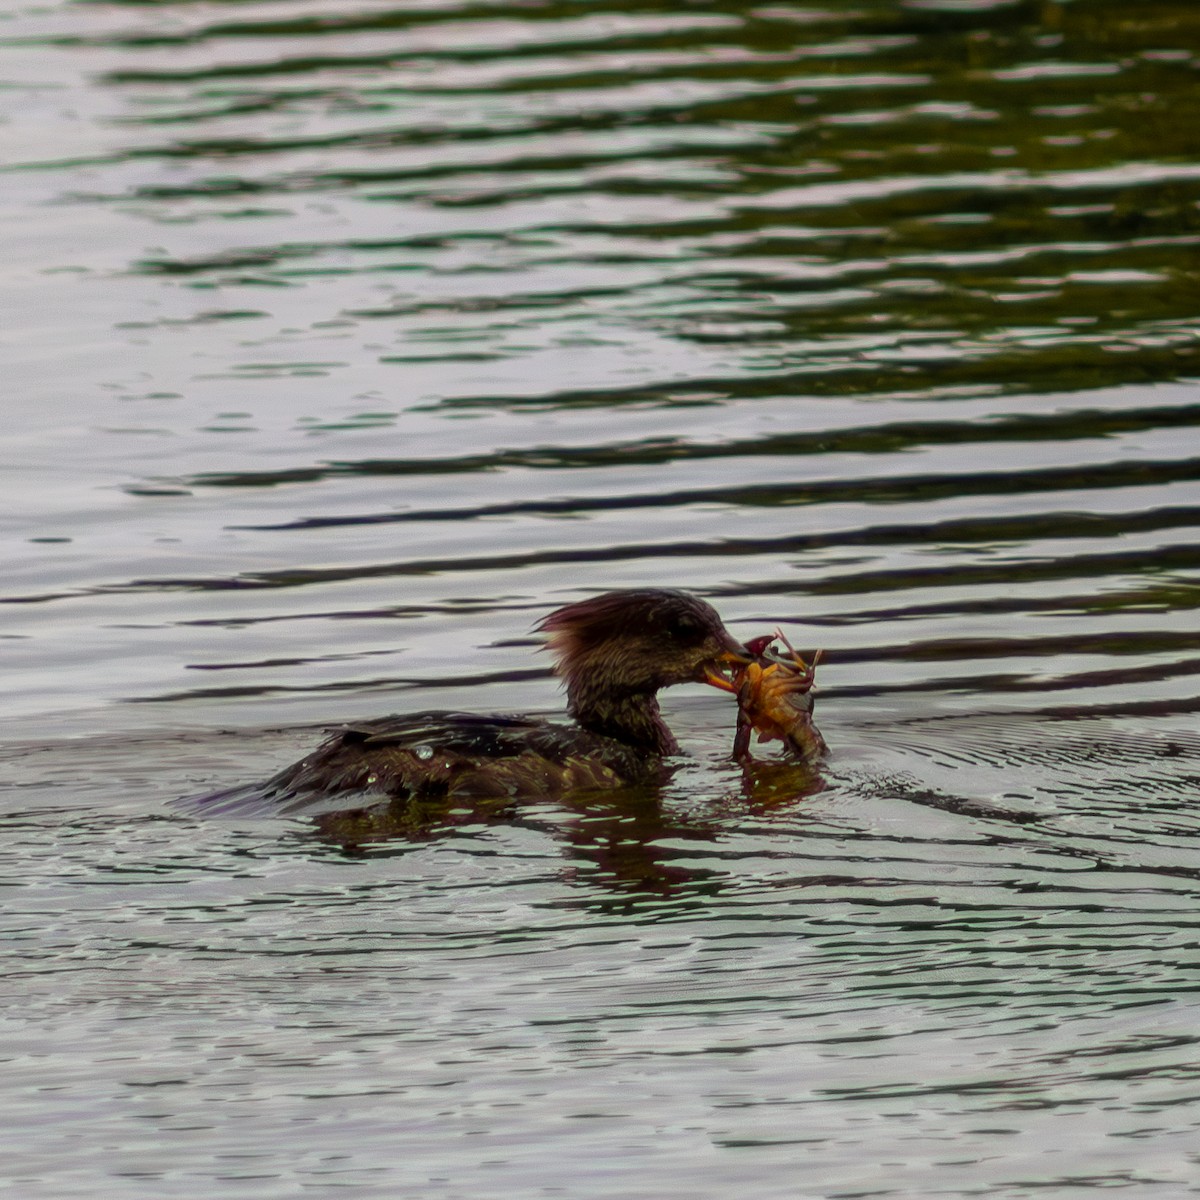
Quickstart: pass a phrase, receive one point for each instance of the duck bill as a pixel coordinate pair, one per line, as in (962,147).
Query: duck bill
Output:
(720,672)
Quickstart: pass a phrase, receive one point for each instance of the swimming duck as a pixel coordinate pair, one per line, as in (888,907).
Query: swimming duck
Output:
(613,652)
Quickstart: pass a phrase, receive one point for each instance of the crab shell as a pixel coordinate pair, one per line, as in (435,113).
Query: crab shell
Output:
(775,701)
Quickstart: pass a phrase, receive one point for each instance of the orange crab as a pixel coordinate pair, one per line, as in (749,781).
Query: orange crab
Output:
(775,699)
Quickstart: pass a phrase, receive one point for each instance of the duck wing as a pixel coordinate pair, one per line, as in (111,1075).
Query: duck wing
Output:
(440,754)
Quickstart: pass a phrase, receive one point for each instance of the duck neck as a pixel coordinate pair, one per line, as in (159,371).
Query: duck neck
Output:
(632,717)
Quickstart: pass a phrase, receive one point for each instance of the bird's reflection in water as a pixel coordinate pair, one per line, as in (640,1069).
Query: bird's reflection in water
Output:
(624,840)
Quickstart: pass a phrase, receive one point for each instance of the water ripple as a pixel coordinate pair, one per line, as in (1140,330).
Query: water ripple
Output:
(347,341)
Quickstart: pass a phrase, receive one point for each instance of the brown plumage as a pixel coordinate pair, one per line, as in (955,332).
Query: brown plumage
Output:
(613,652)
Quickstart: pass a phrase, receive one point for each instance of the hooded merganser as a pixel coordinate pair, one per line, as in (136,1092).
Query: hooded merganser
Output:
(613,653)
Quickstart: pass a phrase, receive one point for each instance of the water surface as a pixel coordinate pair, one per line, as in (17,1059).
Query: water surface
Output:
(346,341)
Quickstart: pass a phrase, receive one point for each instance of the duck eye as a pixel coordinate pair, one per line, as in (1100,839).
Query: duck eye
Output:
(689,626)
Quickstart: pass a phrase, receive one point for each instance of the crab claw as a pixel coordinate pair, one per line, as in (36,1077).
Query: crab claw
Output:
(758,646)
